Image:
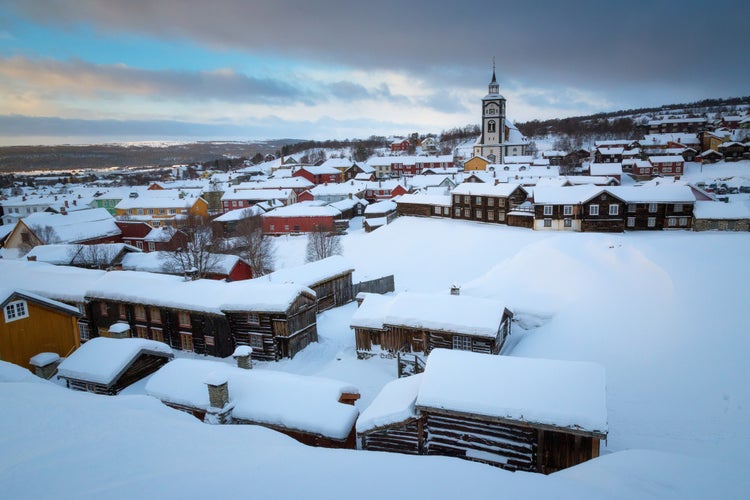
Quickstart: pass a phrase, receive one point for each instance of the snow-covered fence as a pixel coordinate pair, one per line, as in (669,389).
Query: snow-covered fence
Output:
(380,285)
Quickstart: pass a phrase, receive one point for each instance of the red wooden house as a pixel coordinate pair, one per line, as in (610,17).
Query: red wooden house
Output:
(318,175)
(400,145)
(299,218)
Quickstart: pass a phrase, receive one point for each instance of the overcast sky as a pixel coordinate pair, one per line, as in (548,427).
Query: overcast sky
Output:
(93,71)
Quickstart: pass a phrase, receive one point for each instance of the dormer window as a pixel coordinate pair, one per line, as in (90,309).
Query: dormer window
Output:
(16,310)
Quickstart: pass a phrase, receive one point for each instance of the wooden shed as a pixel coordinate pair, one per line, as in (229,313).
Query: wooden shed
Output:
(33,324)
(411,322)
(532,415)
(107,366)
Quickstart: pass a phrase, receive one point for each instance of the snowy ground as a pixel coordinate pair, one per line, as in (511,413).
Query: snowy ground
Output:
(664,313)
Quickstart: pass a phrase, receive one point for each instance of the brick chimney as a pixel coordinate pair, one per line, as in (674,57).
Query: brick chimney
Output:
(244,357)
(455,290)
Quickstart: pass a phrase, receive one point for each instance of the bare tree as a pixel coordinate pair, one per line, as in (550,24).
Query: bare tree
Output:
(46,234)
(258,249)
(322,242)
(197,258)
(91,256)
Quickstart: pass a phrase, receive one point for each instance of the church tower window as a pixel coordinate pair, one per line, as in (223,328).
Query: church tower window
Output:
(491,126)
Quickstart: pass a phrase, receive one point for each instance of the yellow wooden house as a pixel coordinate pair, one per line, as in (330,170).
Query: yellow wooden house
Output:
(32,324)
(476,163)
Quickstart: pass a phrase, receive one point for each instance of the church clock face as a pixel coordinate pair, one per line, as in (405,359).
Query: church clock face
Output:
(491,110)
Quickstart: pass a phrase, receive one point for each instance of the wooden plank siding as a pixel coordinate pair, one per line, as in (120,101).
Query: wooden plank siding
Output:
(483,208)
(271,335)
(406,437)
(399,338)
(334,292)
(655,216)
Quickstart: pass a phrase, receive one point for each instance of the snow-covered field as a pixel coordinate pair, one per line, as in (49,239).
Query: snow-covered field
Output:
(664,313)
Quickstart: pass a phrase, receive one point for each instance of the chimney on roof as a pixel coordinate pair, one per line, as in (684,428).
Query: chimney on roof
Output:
(244,357)
(45,364)
(455,290)
(218,398)
(31,258)
(24,198)
(497,181)
(66,204)
(63,211)
(75,202)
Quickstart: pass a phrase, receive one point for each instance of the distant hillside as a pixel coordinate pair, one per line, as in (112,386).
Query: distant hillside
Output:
(66,157)
(628,123)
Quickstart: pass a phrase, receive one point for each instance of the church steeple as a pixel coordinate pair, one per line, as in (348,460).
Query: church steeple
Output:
(494,88)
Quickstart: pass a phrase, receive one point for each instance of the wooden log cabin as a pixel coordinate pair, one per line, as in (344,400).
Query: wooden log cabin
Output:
(329,278)
(107,366)
(531,415)
(206,316)
(313,410)
(486,202)
(411,322)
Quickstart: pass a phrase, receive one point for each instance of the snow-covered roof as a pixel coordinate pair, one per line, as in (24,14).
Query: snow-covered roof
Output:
(337,163)
(393,404)
(160,234)
(348,203)
(653,194)
(154,262)
(605,169)
(309,274)
(67,284)
(486,189)
(280,183)
(239,214)
(73,227)
(323,169)
(563,394)
(65,254)
(715,210)
(610,150)
(570,195)
(371,312)
(307,404)
(381,207)
(257,194)
(666,159)
(209,296)
(426,199)
(101,360)
(160,198)
(304,209)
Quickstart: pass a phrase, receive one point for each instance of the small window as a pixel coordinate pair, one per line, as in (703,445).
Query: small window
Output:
(253,318)
(614,209)
(631,208)
(122,311)
(491,216)
(593,209)
(157,334)
(490,202)
(184,319)
(678,207)
(457,212)
(84,330)
(103,309)
(186,341)
(256,341)
(631,221)
(141,331)
(155,315)
(467,213)
(140,313)
(466,199)
(436,210)
(567,210)
(478,200)
(568,223)
(652,208)
(16,310)
(446,211)
(462,343)
(151,246)
(271,227)
(652,222)
(683,221)
(672,222)
(457,199)
(210,340)
(478,214)
(547,222)
(547,209)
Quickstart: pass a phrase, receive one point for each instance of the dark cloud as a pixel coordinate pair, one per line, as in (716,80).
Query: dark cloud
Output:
(584,43)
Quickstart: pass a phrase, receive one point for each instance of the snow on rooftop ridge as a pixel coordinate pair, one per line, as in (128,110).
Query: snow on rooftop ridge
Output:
(62,283)
(452,313)
(309,274)
(395,403)
(308,404)
(101,359)
(563,394)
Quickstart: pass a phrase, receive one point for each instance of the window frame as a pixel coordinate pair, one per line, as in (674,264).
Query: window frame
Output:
(460,343)
(13,311)
(594,210)
(547,209)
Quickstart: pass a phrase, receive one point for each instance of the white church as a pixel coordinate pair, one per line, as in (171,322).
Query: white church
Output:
(500,138)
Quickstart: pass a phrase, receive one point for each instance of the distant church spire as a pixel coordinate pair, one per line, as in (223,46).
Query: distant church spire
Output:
(494,88)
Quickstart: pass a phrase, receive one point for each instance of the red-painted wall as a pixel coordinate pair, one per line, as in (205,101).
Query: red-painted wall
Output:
(283,225)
